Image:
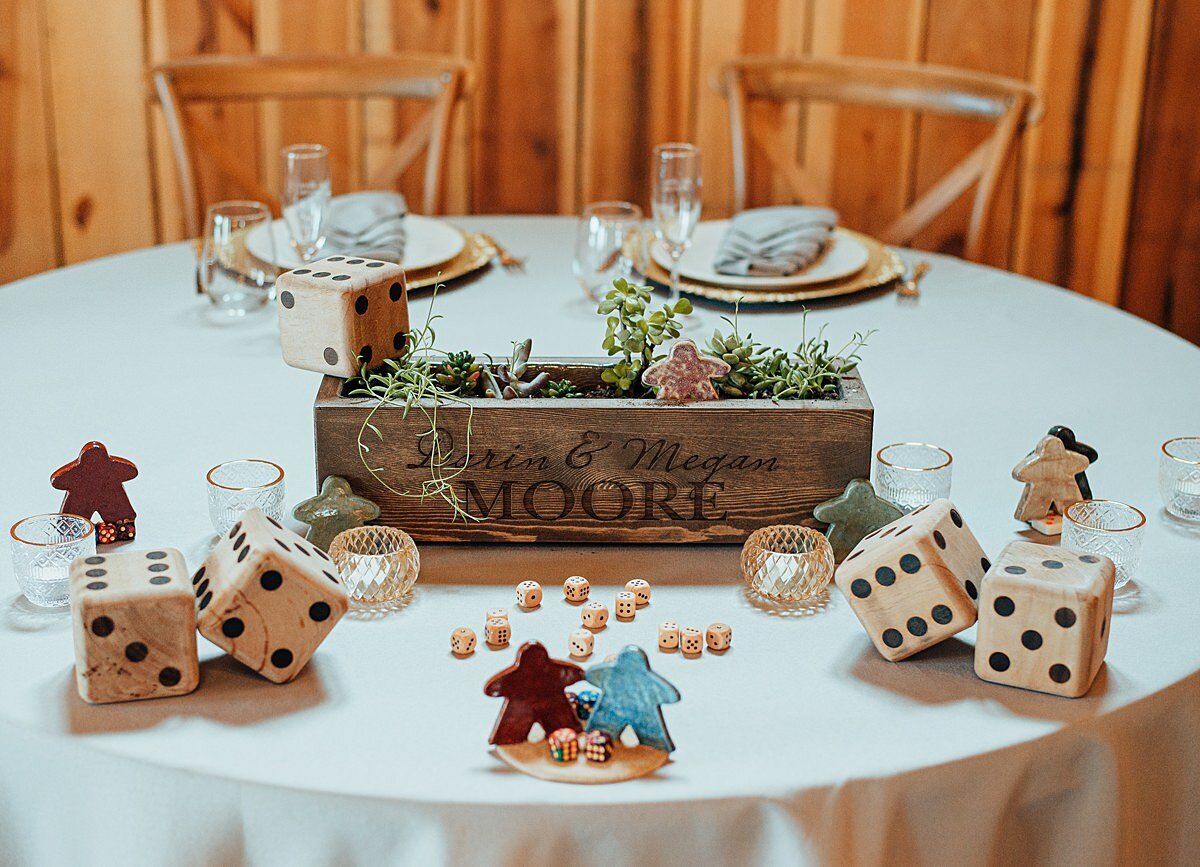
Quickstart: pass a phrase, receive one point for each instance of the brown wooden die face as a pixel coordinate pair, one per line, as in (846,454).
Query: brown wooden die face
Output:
(268,598)
(339,309)
(134,626)
(1044,619)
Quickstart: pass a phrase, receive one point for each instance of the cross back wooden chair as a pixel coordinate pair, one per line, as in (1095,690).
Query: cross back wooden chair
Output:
(438,80)
(1010,104)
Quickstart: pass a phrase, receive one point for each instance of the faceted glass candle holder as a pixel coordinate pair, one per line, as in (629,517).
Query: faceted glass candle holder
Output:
(377,564)
(787,562)
(235,486)
(1109,528)
(1179,477)
(912,475)
(43,547)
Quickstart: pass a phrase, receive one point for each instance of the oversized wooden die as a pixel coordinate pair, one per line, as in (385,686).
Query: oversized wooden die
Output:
(691,641)
(497,632)
(718,636)
(529,594)
(580,643)
(597,746)
(576,589)
(267,597)
(462,641)
(564,745)
(626,605)
(594,615)
(668,635)
(135,626)
(1044,619)
(338,310)
(640,588)
(914,582)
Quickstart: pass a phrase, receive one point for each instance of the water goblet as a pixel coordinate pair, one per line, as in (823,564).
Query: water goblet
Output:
(1179,477)
(675,200)
(605,244)
(235,486)
(306,194)
(911,475)
(43,547)
(236,282)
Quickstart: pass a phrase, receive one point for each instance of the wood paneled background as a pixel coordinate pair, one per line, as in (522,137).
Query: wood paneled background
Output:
(573,94)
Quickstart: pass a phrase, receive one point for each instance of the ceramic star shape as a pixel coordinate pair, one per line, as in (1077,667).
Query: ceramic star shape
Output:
(685,375)
(335,509)
(853,514)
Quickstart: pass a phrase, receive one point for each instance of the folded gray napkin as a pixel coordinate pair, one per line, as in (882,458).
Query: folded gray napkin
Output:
(774,242)
(373,231)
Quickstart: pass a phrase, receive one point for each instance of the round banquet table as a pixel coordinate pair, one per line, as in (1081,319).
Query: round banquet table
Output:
(801,744)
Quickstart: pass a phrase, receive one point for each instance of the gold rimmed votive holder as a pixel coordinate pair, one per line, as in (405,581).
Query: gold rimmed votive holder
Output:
(912,474)
(378,565)
(248,483)
(787,562)
(1107,528)
(1179,477)
(43,547)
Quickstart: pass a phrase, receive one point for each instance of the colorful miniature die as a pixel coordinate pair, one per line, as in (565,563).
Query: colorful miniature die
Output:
(585,703)
(580,643)
(594,615)
(640,588)
(718,636)
(497,632)
(576,589)
(668,635)
(626,605)
(597,746)
(691,641)
(573,700)
(496,614)
(462,641)
(529,594)
(564,745)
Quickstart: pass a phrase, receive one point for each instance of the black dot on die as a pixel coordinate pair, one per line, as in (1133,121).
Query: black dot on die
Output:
(399,340)
(885,575)
(136,651)
(902,531)
(917,626)
(1052,564)
(360,305)
(1064,617)
(271,580)
(302,271)
(302,549)
(331,577)
(321,274)
(860,587)
(331,355)
(956,517)
(985,563)
(941,614)
(972,590)
(319,611)
(999,661)
(169,676)
(156,555)
(97,585)
(235,529)
(342,277)
(1015,570)
(374,264)
(281,658)
(910,563)
(396,291)
(354,261)
(1031,639)
(202,589)
(283,545)
(1059,673)
(1089,558)
(204,602)
(1103,626)
(335,258)
(199,574)
(321,554)
(241,540)
(287,299)
(892,637)
(160,579)
(1004,606)
(102,626)
(159,567)
(242,555)
(233,627)
(95,573)
(274,522)
(93,561)
(364,355)
(855,554)
(939,539)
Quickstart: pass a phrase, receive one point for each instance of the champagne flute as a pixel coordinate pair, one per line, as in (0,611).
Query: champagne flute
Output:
(235,281)
(306,194)
(675,199)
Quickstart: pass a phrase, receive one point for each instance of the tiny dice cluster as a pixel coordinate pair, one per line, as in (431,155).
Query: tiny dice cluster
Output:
(691,641)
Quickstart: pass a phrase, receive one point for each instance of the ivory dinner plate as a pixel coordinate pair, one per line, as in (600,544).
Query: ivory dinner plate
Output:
(844,256)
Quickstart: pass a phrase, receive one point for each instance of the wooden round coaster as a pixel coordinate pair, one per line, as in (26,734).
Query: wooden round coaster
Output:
(626,763)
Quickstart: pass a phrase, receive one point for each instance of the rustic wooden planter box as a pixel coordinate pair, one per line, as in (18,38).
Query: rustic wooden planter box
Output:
(597,470)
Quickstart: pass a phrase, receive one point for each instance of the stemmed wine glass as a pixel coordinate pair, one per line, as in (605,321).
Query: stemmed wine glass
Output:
(675,199)
(306,194)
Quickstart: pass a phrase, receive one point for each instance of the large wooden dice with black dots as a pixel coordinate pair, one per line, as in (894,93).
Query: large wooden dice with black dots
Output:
(340,313)
(267,597)
(1044,618)
(134,624)
(914,582)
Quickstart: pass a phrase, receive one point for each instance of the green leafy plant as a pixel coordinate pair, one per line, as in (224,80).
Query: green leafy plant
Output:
(459,373)
(633,335)
(562,388)
(506,380)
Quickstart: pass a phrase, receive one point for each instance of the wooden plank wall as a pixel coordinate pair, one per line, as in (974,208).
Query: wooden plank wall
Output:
(573,94)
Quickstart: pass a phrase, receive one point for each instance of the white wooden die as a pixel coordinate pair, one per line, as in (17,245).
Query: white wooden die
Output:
(1044,619)
(580,643)
(267,597)
(529,594)
(691,641)
(497,632)
(594,615)
(914,582)
(135,626)
(340,309)
(640,588)
(718,636)
(462,641)
(496,613)
(668,635)
(626,605)
(576,589)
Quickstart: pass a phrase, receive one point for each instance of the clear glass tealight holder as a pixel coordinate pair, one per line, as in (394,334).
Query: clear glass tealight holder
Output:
(235,486)
(1179,477)
(377,564)
(787,562)
(43,547)
(912,475)
(1109,528)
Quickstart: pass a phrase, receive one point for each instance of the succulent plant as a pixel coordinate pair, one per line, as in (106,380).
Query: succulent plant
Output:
(633,335)
(506,380)
(562,388)
(459,373)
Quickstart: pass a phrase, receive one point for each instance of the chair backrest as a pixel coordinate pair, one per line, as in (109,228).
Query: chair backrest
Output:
(1009,103)
(435,79)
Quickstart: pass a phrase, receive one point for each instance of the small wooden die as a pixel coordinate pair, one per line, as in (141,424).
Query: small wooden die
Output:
(496,614)
(626,605)
(691,641)
(529,594)
(718,637)
(580,643)
(462,641)
(1051,525)
(576,589)
(594,615)
(640,588)
(497,633)
(668,635)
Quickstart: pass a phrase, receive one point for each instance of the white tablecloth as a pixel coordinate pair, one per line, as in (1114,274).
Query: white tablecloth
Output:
(800,744)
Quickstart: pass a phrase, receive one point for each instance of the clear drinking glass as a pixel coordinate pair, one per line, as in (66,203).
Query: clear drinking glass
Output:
(377,564)
(608,233)
(675,199)
(1179,477)
(43,547)
(911,475)
(306,194)
(235,281)
(1109,528)
(235,486)
(787,562)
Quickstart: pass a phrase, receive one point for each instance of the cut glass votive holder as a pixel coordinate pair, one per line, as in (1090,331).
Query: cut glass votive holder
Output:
(377,564)
(787,562)
(235,486)
(912,475)
(1109,528)
(43,547)
(1179,477)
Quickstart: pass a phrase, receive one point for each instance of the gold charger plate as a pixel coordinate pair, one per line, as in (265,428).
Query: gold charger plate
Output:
(883,266)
